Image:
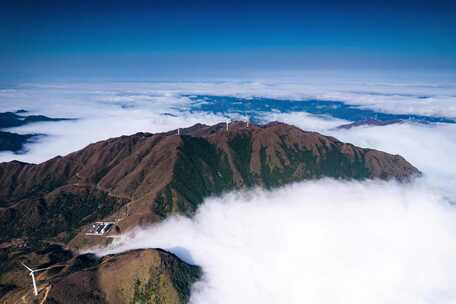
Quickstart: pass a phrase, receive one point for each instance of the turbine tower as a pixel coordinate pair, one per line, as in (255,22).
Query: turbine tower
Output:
(32,274)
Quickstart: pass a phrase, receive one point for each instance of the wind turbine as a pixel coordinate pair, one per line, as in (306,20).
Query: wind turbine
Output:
(32,274)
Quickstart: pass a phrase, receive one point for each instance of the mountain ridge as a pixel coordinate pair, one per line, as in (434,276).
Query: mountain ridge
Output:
(144,178)
(160,174)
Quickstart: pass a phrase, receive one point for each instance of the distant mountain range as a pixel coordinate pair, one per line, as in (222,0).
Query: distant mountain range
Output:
(14,142)
(144,178)
(20,118)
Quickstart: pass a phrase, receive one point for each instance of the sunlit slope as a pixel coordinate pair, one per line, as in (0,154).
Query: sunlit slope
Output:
(156,175)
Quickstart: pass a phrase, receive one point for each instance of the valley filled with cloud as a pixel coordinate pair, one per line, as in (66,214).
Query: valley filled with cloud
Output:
(228,152)
(319,242)
(324,241)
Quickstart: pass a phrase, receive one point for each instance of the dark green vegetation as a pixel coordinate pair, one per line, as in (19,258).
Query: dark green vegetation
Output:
(298,164)
(164,203)
(241,146)
(181,276)
(201,170)
(145,293)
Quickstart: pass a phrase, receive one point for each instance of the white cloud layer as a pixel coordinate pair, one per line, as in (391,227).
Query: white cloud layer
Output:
(113,109)
(431,148)
(316,242)
(101,115)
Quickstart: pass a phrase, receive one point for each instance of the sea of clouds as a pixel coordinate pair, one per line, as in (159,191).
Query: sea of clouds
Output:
(316,242)
(322,241)
(107,110)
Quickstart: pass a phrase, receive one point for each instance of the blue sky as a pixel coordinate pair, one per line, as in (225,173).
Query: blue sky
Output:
(141,40)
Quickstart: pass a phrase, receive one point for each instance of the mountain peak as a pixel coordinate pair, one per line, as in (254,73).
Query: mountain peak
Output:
(144,178)
(160,174)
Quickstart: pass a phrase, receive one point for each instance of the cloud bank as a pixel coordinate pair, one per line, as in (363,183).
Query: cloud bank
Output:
(328,241)
(114,109)
(316,242)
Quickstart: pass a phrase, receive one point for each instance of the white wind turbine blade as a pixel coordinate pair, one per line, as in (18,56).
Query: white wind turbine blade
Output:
(41,269)
(35,289)
(30,269)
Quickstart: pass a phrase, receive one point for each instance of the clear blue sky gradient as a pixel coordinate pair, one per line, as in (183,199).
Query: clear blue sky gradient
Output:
(127,40)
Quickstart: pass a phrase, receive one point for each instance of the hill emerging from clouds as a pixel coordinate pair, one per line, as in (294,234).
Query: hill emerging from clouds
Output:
(145,178)
(161,174)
